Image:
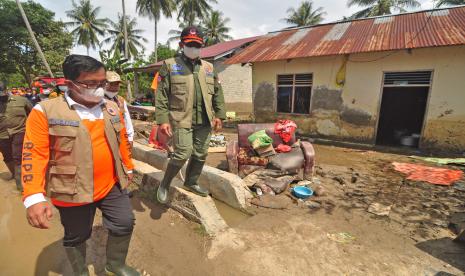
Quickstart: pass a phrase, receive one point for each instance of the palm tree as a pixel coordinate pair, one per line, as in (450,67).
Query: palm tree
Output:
(450,3)
(175,35)
(190,10)
(381,7)
(154,9)
(116,37)
(87,26)
(304,15)
(215,29)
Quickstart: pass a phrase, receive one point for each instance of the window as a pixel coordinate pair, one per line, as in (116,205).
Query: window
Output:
(294,93)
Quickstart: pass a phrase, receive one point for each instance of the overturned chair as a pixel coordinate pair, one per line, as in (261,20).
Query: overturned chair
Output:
(236,149)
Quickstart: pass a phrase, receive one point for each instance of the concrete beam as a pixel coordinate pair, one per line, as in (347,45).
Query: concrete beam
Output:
(196,208)
(226,187)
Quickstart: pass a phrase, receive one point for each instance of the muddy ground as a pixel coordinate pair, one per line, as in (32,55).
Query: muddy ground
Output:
(297,240)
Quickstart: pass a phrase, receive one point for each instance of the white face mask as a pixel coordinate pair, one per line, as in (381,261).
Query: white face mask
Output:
(110,94)
(93,95)
(192,52)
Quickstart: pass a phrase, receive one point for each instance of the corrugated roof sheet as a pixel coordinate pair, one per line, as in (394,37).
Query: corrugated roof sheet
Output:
(445,27)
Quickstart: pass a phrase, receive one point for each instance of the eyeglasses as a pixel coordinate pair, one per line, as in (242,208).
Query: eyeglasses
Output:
(91,84)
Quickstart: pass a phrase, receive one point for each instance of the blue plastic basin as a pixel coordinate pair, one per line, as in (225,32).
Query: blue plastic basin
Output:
(302,192)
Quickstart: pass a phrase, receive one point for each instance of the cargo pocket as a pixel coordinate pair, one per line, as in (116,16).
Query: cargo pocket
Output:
(178,93)
(62,180)
(62,138)
(210,85)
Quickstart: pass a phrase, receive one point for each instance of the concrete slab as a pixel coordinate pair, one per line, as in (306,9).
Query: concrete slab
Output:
(196,208)
(226,187)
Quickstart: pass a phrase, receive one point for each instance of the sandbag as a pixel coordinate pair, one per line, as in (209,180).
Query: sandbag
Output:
(290,162)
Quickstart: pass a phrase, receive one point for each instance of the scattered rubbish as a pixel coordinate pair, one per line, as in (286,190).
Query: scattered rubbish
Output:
(283,148)
(265,189)
(302,192)
(441,161)
(354,177)
(319,191)
(316,181)
(379,209)
(312,204)
(410,141)
(272,202)
(280,184)
(343,237)
(217,140)
(231,115)
(438,176)
(460,187)
(285,129)
(259,191)
(304,183)
(339,179)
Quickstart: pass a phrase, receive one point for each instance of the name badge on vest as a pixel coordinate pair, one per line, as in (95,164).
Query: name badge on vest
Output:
(176,69)
(209,72)
(111,111)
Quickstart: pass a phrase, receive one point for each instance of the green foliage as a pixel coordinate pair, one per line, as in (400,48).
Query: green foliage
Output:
(86,24)
(441,3)
(13,80)
(190,11)
(381,7)
(155,8)
(116,37)
(17,52)
(304,15)
(215,29)
(163,52)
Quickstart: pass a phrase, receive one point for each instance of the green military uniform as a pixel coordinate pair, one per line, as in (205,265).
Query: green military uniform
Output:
(13,115)
(189,97)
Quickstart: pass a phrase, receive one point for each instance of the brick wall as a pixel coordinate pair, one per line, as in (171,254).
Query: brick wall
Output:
(237,86)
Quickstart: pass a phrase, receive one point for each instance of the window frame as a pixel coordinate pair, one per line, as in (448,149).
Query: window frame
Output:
(294,85)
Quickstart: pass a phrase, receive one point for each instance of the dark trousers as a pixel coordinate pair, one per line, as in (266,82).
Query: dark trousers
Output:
(117,217)
(12,148)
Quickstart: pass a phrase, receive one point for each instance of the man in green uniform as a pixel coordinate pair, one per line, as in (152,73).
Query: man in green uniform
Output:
(13,114)
(189,103)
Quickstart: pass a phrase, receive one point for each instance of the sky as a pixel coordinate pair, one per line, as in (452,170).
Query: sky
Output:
(247,17)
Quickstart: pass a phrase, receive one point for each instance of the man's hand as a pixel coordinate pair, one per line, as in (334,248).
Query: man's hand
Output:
(130,177)
(39,215)
(166,129)
(217,124)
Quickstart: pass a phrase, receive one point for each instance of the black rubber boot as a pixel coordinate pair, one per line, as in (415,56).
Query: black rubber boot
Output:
(173,168)
(19,185)
(11,167)
(117,250)
(193,172)
(77,258)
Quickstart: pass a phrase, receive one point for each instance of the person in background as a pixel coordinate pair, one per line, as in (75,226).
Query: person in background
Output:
(189,103)
(78,154)
(111,93)
(13,113)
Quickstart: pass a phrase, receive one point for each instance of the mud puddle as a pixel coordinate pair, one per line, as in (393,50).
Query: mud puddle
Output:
(231,216)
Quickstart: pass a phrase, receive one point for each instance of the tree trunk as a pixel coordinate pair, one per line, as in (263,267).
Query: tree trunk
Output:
(155,50)
(87,50)
(126,50)
(34,40)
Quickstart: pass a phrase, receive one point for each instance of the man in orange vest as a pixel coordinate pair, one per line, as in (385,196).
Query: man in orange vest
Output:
(76,151)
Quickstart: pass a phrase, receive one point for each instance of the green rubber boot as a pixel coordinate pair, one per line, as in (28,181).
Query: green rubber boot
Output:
(193,172)
(173,168)
(77,258)
(19,185)
(117,250)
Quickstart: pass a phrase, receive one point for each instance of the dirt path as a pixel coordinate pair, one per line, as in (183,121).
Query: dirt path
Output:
(296,241)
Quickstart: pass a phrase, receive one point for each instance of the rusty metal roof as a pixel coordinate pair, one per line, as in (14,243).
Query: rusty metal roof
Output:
(432,28)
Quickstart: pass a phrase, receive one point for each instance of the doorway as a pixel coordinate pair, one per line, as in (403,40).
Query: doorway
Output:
(403,108)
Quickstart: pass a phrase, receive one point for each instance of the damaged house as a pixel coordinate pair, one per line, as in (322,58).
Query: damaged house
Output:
(390,80)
